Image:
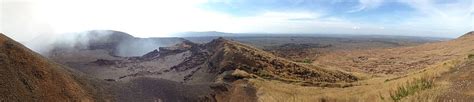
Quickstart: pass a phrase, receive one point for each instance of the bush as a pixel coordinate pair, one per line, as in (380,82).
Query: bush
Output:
(309,61)
(411,88)
(470,56)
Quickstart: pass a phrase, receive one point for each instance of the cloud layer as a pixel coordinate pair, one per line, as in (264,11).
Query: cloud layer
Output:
(26,19)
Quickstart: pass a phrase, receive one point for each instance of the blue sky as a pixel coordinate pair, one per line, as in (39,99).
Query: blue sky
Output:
(26,19)
(444,18)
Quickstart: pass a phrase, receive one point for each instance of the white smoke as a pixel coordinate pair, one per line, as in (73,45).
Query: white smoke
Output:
(136,47)
(115,42)
(78,40)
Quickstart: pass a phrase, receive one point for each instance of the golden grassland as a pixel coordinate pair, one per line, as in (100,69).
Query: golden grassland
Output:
(418,85)
(413,81)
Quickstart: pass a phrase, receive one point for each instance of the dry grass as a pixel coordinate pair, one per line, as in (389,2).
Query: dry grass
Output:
(470,56)
(397,61)
(411,88)
(398,74)
(230,54)
(27,76)
(420,86)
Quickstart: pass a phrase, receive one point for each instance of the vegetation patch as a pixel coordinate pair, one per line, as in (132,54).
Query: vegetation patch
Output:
(470,56)
(411,88)
(308,61)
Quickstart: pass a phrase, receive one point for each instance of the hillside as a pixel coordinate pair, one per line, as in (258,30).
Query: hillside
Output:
(398,60)
(467,35)
(27,76)
(439,71)
(230,55)
(227,70)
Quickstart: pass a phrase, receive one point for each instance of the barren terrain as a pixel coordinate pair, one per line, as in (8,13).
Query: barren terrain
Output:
(239,68)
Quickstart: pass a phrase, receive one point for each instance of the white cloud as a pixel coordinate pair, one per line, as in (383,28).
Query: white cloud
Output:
(306,22)
(432,18)
(440,19)
(367,4)
(472,15)
(24,19)
(147,18)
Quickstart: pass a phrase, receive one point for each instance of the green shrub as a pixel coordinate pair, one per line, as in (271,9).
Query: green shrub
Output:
(411,88)
(309,61)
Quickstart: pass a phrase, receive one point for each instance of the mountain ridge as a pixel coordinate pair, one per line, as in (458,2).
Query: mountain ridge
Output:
(469,34)
(255,61)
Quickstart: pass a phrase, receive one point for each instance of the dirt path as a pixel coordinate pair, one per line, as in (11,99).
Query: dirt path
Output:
(462,84)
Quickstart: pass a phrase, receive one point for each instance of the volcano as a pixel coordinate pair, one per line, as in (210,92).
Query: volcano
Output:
(220,67)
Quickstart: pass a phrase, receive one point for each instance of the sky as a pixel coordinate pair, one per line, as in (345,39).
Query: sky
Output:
(26,19)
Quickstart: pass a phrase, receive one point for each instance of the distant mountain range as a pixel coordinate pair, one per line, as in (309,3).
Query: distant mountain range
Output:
(225,34)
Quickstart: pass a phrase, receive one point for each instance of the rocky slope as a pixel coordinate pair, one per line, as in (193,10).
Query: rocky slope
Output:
(230,56)
(221,70)
(27,76)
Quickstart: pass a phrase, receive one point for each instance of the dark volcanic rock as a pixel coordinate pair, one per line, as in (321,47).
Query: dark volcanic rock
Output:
(103,62)
(151,54)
